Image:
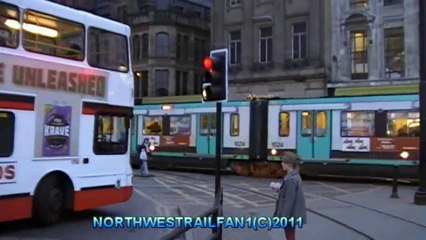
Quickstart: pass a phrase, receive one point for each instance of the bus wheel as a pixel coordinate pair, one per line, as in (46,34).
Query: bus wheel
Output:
(48,202)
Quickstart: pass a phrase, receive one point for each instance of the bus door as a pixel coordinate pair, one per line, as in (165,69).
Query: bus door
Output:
(206,137)
(314,134)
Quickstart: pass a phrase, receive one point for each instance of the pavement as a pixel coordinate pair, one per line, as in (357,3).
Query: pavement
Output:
(336,210)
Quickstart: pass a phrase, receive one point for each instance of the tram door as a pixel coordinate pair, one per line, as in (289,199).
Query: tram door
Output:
(206,137)
(314,134)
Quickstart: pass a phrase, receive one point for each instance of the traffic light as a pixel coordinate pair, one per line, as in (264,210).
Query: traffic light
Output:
(215,85)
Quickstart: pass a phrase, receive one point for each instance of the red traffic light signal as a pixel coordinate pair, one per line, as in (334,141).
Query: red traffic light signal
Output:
(208,63)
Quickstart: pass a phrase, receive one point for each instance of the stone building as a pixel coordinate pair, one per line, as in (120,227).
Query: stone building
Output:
(169,42)
(86,5)
(374,43)
(279,48)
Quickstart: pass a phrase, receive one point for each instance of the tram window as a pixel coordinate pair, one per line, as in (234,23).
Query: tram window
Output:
(207,118)
(306,124)
(321,124)
(152,125)
(107,50)
(403,124)
(7,133)
(284,124)
(50,35)
(9,25)
(234,124)
(180,125)
(111,134)
(357,124)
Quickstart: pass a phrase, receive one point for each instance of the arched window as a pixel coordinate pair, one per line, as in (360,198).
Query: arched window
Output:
(145,45)
(136,47)
(162,44)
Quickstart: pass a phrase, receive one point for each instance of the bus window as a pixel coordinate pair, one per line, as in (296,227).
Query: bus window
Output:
(111,134)
(403,124)
(284,124)
(321,124)
(107,50)
(306,123)
(234,124)
(180,125)
(50,35)
(7,133)
(357,124)
(9,25)
(152,125)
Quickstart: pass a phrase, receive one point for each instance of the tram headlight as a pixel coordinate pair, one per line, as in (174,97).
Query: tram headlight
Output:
(152,148)
(274,151)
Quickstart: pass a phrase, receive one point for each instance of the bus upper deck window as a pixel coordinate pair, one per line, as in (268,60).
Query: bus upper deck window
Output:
(9,25)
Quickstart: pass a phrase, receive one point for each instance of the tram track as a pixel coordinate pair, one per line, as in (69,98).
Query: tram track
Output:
(323,197)
(268,196)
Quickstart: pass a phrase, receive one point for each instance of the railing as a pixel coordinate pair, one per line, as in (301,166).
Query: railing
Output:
(165,16)
(215,211)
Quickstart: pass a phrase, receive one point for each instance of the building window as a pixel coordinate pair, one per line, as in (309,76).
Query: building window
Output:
(234,3)
(61,37)
(145,45)
(141,84)
(235,47)
(234,124)
(357,124)
(181,83)
(111,134)
(299,40)
(394,53)
(161,83)
(284,124)
(122,14)
(356,4)
(265,45)
(136,47)
(162,44)
(185,47)
(391,2)
(197,50)
(403,124)
(359,54)
(178,46)
(198,80)
(9,25)
(7,133)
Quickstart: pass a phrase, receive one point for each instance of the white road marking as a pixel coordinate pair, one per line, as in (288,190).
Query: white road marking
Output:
(178,191)
(334,187)
(140,193)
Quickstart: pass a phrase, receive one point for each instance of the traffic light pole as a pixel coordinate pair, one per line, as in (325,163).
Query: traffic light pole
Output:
(420,195)
(218,145)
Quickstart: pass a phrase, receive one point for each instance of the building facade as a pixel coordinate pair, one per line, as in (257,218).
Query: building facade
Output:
(169,42)
(374,43)
(279,48)
(86,5)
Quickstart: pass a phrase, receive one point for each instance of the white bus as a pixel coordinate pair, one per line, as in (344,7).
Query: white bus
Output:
(66,99)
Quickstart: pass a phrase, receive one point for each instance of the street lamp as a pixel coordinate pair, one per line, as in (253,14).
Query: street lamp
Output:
(420,195)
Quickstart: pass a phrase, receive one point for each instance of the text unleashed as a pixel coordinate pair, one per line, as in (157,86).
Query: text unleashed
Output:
(197,222)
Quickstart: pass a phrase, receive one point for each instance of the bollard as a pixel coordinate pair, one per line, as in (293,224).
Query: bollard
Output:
(395,183)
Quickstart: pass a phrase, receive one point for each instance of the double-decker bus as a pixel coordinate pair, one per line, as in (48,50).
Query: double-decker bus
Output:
(66,100)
